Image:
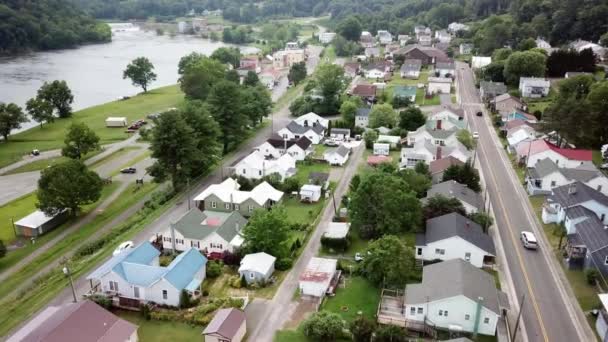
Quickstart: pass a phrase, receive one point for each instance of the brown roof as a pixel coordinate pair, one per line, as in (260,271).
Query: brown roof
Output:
(442,164)
(352,65)
(364,90)
(225,323)
(82,321)
(514,123)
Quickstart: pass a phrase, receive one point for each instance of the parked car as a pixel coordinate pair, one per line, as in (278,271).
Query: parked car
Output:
(123,246)
(330,142)
(475,135)
(128,170)
(480,113)
(529,240)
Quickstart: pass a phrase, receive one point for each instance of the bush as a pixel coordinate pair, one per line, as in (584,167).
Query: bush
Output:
(102,301)
(214,269)
(145,311)
(592,275)
(231,258)
(184,299)
(290,184)
(205,293)
(389,333)
(362,329)
(323,326)
(283,264)
(339,245)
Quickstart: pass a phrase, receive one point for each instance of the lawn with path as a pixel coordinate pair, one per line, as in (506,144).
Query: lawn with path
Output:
(359,295)
(304,170)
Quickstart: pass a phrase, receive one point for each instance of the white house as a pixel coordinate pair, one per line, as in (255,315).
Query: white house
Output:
(326,37)
(376,70)
(601,323)
(403,39)
(519,134)
(455,27)
(211,232)
(546,175)
(411,69)
(382,149)
(337,230)
(442,137)
(256,166)
(447,113)
(445,69)
(228,325)
(425,40)
(531,152)
(362,117)
(257,267)
(312,119)
(455,295)
(580,45)
(276,146)
(471,201)
(340,134)
(384,37)
(317,278)
(392,140)
(534,87)
(294,130)
(465,49)
(478,62)
(135,276)
(443,36)
(439,85)
(453,236)
(561,205)
(310,193)
(337,156)
(426,151)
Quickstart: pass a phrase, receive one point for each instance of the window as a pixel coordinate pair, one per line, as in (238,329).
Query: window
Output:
(412,311)
(135,291)
(244,171)
(552,183)
(599,188)
(467,256)
(260,172)
(467,317)
(439,251)
(213,204)
(227,206)
(602,217)
(445,313)
(486,320)
(251,275)
(180,241)
(166,239)
(164,294)
(250,208)
(440,312)
(420,311)
(419,252)
(236,207)
(606,261)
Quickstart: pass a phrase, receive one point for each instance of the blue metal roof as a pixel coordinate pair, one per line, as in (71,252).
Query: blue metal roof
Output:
(139,274)
(142,254)
(182,269)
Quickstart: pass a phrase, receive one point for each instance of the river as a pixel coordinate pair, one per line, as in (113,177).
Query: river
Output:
(94,72)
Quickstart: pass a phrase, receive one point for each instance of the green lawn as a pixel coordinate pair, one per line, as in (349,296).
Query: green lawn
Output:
(304,170)
(420,92)
(132,162)
(299,212)
(44,163)
(290,336)
(15,210)
(319,151)
(538,105)
(160,331)
(597,158)
(359,295)
(51,135)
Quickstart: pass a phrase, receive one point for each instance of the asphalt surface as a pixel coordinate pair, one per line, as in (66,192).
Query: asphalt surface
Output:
(550,311)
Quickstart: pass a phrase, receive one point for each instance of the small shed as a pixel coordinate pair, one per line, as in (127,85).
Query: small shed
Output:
(257,267)
(228,325)
(340,134)
(382,149)
(393,140)
(310,193)
(116,121)
(337,230)
(317,278)
(38,223)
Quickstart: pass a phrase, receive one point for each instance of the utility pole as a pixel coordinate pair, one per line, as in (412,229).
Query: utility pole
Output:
(521,307)
(68,273)
(188,191)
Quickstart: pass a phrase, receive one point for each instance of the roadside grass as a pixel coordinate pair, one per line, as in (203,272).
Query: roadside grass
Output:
(160,331)
(358,297)
(113,156)
(51,136)
(40,164)
(494,274)
(220,286)
(132,162)
(298,212)
(290,94)
(329,54)
(304,170)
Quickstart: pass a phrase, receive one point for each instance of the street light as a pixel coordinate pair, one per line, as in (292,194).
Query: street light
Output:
(67,272)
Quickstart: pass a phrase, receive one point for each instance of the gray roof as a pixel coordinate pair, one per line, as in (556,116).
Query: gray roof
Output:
(453,224)
(363,112)
(442,133)
(454,189)
(411,65)
(341,150)
(591,233)
(445,65)
(226,225)
(582,193)
(496,88)
(340,131)
(299,129)
(454,278)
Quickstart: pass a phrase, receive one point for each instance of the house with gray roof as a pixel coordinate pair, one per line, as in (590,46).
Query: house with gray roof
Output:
(471,201)
(340,134)
(442,137)
(257,267)
(489,90)
(337,156)
(534,87)
(426,151)
(587,242)
(411,69)
(546,175)
(228,325)
(445,69)
(294,130)
(565,203)
(211,232)
(453,236)
(362,117)
(455,295)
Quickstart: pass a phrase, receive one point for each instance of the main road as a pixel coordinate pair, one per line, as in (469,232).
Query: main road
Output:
(550,311)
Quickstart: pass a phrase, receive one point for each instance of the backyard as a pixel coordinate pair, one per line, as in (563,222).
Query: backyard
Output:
(160,331)
(304,170)
(421,99)
(358,296)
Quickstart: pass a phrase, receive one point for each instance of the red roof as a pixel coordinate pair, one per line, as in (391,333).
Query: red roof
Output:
(540,145)
(367,90)
(376,160)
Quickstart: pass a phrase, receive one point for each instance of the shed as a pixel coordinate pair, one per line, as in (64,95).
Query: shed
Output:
(382,149)
(113,121)
(257,267)
(337,230)
(38,223)
(319,178)
(228,325)
(340,134)
(310,193)
(316,279)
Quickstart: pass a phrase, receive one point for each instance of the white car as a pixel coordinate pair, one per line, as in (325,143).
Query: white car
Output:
(122,247)
(475,135)
(529,240)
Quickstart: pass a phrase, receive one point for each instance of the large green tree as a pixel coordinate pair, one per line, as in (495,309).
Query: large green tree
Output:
(79,140)
(199,74)
(598,103)
(67,185)
(411,119)
(388,262)
(439,205)
(206,133)
(323,326)
(330,82)
(350,28)
(226,107)
(348,110)
(141,72)
(268,231)
(382,115)
(362,329)
(577,87)
(59,95)
(524,64)
(464,174)
(257,103)
(11,117)
(251,79)
(228,55)
(419,183)
(40,110)
(297,73)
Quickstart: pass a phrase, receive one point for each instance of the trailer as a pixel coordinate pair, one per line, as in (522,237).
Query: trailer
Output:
(116,122)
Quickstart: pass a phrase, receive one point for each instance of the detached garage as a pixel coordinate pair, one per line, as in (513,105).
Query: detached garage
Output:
(116,122)
(38,223)
(310,193)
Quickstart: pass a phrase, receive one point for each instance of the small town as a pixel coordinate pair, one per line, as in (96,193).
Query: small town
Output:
(265,170)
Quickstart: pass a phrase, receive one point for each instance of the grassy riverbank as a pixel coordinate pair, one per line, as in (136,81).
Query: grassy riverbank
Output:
(51,136)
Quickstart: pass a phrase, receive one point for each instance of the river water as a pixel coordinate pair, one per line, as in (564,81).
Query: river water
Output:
(94,72)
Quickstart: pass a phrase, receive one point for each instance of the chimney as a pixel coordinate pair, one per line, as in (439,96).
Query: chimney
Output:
(572,189)
(438,124)
(438,155)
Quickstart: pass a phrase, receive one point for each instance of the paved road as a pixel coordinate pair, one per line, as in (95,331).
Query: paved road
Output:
(550,312)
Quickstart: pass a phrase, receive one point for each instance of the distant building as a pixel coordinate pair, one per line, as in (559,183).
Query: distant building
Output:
(534,87)
(466,49)
(478,62)
(456,27)
(287,58)
(326,37)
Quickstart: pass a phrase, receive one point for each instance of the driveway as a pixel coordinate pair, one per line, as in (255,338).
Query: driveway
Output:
(445,99)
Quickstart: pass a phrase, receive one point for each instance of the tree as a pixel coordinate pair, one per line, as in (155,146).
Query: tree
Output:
(422,168)
(418,182)
(350,28)
(59,95)
(464,174)
(598,103)
(302,105)
(323,326)
(384,204)
(524,64)
(465,138)
(370,138)
(382,115)
(11,117)
(572,119)
(297,73)
(251,79)
(345,48)
(526,44)
(411,119)
(199,75)
(184,299)
(362,329)
(232,76)
(577,87)
(388,262)
(440,205)
(206,133)
(330,82)
(228,55)
(40,110)
(494,72)
(482,219)
(189,60)
(501,55)
(348,110)
(79,140)
(141,72)
(604,39)
(256,103)
(390,333)
(226,107)
(67,185)
(268,231)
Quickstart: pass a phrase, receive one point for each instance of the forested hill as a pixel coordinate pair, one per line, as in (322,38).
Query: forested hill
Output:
(46,25)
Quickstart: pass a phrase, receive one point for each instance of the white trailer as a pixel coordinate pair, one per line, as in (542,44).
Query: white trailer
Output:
(116,122)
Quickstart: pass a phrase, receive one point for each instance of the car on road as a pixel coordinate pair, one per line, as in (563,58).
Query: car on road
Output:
(475,135)
(529,240)
(480,113)
(122,247)
(129,170)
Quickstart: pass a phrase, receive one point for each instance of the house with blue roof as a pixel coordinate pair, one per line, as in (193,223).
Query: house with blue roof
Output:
(135,276)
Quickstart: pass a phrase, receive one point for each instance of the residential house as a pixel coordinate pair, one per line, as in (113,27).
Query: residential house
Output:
(292,46)
(269,78)
(227,197)
(453,236)
(351,69)
(439,85)
(256,166)
(580,45)
(422,30)
(39,223)
(81,321)
(337,230)
(520,115)
(340,134)
(456,27)
(383,130)
(362,117)
(293,130)
(509,125)
(287,58)
(277,146)
(403,39)
(319,277)
(455,295)
(319,178)
(546,175)
(443,36)
(447,113)
(442,46)
(214,233)
(566,202)
(489,90)
(471,200)
(478,62)
(392,140)
(411,69)
(405,92)
(228,325)
(520,134)
(251,62)
(257,267)
(326,37)
(542,44)
(377,70)
(337,156)
(311,119)
(426,151)
(310,193)
(425,40)
(445,69)
(372,52)
(506,103)
(534,87)
(437,167)
(382,149)
(384,37)
(448,124)
(571,74)
(530,152)
(441,137)
(428,55)
(367,92)
(134,276)
(465,49)
(367,40)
